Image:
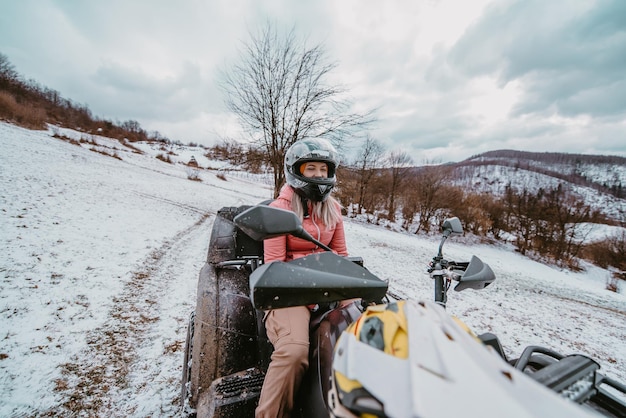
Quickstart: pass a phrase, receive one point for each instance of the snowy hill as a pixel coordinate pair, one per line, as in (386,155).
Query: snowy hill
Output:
(600,170)
(100,258)
(590,178)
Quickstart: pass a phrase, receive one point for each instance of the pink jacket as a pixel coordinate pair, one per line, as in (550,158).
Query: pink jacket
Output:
(287,248)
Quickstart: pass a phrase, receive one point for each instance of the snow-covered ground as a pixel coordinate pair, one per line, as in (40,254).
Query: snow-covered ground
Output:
(99,260)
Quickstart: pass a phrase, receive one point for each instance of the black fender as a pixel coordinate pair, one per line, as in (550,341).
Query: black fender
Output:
(225,324)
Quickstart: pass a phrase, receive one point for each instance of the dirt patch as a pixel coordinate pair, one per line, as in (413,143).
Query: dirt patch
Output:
(103,367)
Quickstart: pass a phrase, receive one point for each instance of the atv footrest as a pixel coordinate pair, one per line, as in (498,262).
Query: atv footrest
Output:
(238,385)
(234,395)
(572,376)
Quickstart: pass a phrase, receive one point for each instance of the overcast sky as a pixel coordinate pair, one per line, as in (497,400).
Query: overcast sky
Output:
(449,78)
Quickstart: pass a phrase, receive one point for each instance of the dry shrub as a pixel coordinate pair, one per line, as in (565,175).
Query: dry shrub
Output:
(27,116)
(612,282)
(610,252)
(127,144)
(107,153)
(165,158)
(193,175)
(8,105)
(598,253)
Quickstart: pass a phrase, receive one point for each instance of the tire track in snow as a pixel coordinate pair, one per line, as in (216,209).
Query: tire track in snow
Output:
(108,378)
(172,202)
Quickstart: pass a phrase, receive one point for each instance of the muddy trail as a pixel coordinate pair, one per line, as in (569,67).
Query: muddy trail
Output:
(148,316)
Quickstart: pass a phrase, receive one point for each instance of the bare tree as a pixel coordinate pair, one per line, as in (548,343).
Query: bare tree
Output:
(399,162)
(522,209)
(561,227)
(8,75)
(279,94)
(368,159)
(428,193)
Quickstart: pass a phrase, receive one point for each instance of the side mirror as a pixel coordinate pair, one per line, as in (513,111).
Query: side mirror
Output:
(452,226)
(262,222)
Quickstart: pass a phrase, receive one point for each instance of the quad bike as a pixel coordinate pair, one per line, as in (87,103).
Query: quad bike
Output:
(379,357)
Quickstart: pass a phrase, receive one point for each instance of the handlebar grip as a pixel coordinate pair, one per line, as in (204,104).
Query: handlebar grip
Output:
(462,265)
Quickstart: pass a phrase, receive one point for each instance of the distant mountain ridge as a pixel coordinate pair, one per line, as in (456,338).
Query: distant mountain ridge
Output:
(598,179)
(550,157)
(604,172)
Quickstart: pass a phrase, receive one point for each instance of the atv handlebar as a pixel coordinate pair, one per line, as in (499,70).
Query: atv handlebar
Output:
(262,222)
(470,275)
(317,278)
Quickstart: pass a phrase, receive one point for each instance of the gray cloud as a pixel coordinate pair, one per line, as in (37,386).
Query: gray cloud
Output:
(560,64)
(131,91)
(570,59)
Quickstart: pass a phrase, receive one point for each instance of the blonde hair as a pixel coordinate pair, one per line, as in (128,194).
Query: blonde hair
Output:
(327,211)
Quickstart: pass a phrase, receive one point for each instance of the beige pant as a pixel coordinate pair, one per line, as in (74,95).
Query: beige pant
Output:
(288,331)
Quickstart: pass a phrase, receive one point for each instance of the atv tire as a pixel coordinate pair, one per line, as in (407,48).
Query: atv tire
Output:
(186,379)
(226,325)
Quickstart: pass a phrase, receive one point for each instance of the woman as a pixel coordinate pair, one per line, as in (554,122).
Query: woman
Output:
(310,167)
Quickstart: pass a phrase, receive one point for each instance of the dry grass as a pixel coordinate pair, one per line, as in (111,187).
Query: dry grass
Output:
(164,158)
(107,153)
(23,115)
